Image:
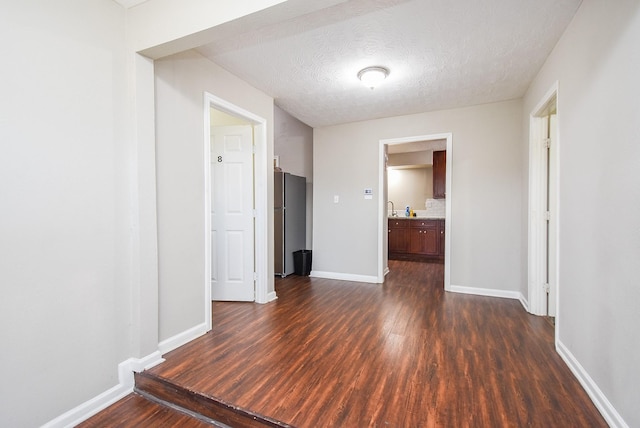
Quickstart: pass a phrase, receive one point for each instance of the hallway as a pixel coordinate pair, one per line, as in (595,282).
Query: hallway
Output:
(405,354)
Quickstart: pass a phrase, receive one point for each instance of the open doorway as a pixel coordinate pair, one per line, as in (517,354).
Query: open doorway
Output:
(543,207)
(256,256)
(409,148)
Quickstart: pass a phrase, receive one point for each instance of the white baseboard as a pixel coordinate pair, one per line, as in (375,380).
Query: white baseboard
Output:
(344,276)
(125,387)
(489,292)
(127,367)
(180,339)
(271,296)
(601,402)
(125,380)
(89,408)
(603,405)
(524,302)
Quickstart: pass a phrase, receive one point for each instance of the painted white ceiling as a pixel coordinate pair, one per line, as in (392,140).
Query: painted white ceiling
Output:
(442,54)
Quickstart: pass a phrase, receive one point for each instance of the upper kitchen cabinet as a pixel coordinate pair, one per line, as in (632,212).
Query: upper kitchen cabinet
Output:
(439,174)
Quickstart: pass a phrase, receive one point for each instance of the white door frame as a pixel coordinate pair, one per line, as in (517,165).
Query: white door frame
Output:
(382,207)
(261,250)
(537,240)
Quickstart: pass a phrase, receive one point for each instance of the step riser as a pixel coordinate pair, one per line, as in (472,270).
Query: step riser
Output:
(209,407)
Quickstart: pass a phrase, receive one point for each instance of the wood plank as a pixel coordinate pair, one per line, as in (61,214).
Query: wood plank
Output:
(405,353)
(201,404)
(136,411)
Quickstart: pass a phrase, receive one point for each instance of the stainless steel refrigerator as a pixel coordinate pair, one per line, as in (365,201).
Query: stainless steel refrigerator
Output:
(290,218)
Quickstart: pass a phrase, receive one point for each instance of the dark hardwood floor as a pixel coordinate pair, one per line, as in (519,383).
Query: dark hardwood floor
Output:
(136,411)
(403,354)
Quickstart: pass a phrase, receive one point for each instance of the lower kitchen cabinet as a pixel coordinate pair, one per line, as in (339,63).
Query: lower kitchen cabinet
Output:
(424,237)
(399,238)
(416,239)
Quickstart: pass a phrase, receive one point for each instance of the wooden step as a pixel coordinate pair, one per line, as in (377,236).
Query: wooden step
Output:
(135,410)
(162,390)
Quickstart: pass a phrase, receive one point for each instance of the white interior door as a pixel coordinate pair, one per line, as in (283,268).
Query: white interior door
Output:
(543,261)
(553,216)
(232,220)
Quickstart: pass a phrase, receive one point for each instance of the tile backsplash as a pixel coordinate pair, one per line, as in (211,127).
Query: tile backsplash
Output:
(435,207)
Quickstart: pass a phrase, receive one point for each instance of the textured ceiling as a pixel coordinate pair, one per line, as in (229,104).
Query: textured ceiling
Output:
(441,53)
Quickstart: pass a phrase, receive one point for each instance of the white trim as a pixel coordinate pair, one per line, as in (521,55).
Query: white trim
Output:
(261,248)
(345,276)
(382,205)
(537,245)
(609,413)
(489,292)
(207,212)
(89,408)
(100,402)
(271,296)
(128,367)
(186,336)
(448,212)
(383,213)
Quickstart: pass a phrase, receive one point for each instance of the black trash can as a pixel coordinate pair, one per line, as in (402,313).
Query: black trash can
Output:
(302,262)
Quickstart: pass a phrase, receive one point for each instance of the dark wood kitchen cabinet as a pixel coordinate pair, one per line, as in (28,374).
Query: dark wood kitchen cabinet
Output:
(424,237)
(416,239)
(399,236)
(439,174)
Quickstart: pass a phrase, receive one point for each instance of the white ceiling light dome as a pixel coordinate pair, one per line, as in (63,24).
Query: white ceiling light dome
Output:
(373,76)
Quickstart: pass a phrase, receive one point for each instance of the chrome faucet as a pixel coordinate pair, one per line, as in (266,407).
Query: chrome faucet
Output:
(393,209)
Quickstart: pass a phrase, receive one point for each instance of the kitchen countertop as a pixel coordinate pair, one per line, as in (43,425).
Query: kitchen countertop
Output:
(416,218)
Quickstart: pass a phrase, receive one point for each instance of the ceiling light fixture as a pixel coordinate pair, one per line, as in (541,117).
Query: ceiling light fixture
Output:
(373,76)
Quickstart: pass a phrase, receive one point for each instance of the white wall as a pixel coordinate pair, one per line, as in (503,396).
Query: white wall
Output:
(158,28)
(220,118)
(65,310)
(409,187)
(293,144)
(77,185)
(597,64)
(486,244)
(181,81)
(188,18)
(422,157)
